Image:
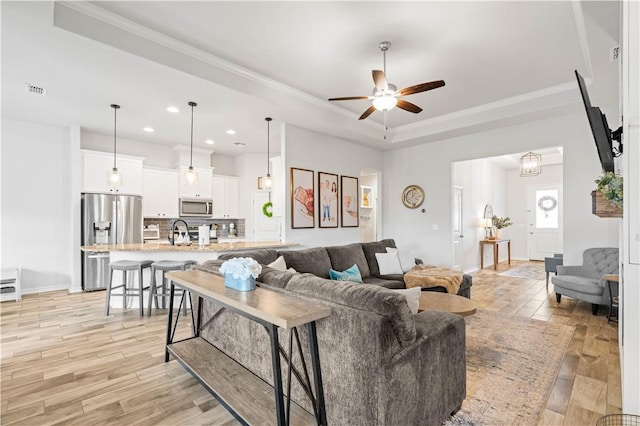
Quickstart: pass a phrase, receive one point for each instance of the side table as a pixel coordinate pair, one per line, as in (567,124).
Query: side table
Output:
(495,244)
(613,300)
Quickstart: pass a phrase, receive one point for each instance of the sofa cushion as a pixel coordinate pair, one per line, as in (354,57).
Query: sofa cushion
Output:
(263,257)
(313,260)
(343,257)
(370,250)
(351,274)
(275,278)
(385,282)
(378,300)
(580,284)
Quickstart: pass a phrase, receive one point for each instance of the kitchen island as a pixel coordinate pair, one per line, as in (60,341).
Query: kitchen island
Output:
(156,251)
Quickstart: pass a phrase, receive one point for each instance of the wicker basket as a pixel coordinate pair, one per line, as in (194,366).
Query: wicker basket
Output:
(619,420)
(602,207)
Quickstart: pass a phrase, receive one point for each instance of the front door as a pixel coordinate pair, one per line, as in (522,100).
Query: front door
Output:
(264,228)
(545,220)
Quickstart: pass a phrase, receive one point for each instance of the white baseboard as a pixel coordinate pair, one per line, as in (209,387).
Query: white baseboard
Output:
(45,289)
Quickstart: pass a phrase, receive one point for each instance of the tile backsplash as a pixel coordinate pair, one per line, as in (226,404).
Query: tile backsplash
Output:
(164,225)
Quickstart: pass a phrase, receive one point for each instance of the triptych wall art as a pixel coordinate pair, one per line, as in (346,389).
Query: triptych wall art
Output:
(337,200)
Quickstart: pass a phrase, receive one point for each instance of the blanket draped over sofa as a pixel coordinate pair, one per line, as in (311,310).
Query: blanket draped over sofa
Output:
(432,276)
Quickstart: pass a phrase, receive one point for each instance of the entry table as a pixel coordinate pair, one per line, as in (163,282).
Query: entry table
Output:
(495,244)
(238,389)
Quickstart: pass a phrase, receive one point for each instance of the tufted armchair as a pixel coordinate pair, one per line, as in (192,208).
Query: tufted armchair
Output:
(585,282)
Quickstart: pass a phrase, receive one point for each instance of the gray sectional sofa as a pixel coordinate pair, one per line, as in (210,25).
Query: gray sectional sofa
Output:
(318,261)
(381,364)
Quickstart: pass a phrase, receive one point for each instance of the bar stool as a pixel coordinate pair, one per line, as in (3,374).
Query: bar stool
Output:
(126,266)
(165,266)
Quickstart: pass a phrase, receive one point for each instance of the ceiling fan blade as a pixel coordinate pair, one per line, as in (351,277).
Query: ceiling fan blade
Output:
(367,112)
(350,98)
(380,80)
(423,87)
(408,106)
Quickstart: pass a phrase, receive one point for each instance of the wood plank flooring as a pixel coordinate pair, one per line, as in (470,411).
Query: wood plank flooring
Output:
(64,362)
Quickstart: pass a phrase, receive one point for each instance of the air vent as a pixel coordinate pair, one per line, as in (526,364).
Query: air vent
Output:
(36,90)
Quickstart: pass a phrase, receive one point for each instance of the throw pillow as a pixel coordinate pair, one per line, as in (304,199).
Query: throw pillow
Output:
(351,274)
(406,257)
(413,298)
(279,264)
(388,263)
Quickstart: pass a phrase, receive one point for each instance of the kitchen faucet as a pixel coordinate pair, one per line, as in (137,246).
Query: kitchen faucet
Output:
(174,228)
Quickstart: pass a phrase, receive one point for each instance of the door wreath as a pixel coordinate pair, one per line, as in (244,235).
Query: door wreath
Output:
(267,209)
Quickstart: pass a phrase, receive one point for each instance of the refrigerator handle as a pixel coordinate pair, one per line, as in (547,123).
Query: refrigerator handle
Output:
(114,215)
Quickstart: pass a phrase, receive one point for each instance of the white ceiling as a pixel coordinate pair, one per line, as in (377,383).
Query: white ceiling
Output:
(243,61)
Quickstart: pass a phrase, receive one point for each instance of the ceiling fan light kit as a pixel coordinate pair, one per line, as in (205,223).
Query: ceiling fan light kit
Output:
(386,96)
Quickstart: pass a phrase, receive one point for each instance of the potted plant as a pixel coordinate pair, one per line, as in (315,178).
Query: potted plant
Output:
(500,223)
(610,184)
(240,273)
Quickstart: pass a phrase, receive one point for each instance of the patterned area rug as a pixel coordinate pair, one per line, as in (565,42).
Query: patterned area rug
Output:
(532,271)
(512,364)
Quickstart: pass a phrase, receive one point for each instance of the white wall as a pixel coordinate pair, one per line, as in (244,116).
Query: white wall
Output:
(248,168)
(37,205)
(482,183)
(430,166)
(306,149)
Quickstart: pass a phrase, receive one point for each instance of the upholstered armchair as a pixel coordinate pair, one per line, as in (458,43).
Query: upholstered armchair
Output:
(585,282)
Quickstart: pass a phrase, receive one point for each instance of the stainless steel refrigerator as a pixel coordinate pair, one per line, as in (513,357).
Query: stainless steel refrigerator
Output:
(107,219)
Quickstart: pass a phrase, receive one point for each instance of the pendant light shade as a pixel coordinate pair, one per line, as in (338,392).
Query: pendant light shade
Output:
(268,180)
(530,164)
(191,176)
(114,177)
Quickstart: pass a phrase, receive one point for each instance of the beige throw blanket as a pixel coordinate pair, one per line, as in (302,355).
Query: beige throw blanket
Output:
(432,276)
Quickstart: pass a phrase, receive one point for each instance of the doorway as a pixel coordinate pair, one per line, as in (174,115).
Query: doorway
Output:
(458,248)
(369,210)
(544,220)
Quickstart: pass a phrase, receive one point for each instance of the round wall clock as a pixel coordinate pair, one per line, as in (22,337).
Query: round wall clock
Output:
(412,196)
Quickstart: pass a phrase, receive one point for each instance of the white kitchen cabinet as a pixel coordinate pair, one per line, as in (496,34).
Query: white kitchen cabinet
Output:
(96,168)
(225,196)
(160,193)
(202,189)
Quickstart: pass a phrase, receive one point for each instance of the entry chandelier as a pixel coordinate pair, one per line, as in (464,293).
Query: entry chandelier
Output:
(530,164)
(268,181)
(114,178)
(191,176)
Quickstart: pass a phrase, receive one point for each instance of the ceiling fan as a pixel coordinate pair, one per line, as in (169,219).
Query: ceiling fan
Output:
(385,95)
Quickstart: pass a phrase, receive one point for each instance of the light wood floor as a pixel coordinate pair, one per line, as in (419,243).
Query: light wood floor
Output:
(63,362)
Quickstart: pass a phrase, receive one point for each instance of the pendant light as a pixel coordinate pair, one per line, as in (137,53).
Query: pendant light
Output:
(268,181)
(191,176)
(530,164)
(114,178)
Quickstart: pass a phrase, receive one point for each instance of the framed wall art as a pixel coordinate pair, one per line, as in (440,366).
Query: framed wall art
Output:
(327,200)
(349,202)
(302,198)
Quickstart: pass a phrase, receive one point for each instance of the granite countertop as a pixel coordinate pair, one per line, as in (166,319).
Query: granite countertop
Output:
(218,247)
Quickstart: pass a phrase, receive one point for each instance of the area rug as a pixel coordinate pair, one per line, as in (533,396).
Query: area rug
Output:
(512,364)
(532,271)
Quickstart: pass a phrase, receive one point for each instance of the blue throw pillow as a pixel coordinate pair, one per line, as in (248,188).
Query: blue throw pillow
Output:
(351,274)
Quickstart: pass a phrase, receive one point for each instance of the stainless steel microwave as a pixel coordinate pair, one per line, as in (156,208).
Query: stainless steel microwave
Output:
(196,207)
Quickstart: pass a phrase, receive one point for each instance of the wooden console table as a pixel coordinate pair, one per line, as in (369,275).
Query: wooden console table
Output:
(495,244)
(246,396)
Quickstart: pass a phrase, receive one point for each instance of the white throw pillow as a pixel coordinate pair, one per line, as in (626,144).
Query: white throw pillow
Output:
(413,298)
(279,264)
(406,257)
(388,263)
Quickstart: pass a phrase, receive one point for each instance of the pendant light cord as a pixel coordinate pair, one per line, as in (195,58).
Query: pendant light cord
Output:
(115,122)
(268,120)
(191,104)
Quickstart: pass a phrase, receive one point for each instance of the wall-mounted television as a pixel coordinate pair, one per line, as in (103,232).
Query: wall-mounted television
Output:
(602,135)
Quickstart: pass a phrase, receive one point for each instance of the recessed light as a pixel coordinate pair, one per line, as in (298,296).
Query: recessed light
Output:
(239,144)
(173,109)
(148,129)
(231,132)
(209,142)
